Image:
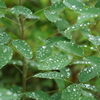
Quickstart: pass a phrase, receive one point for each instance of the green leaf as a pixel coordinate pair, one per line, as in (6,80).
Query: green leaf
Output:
(70,47)
(97,4)
(54,1)
(81,62)
(43,52)
(62,24)
(66,72)
(16,62)
(93,60)
(88,73)
(57,6)
(16,89)
(54,40)
(76,26)
(18,10)
(6,94)
(85,17)
(54,62)
(2,29)
(72,92)
(89,11)
(90,87)
(23,48)
(4,38)
(5,55)
(2,5)
(2,13)
(38,95)
(51,15)
(87,48)
(32,63)
(56,96)
(85,32)
(50,75)
(67,35)
(87,98)
(86,95)
(73,4)
(60,83)
(94,39)
(6,22)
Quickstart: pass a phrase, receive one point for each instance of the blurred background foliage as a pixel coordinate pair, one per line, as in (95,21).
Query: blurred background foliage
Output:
(36,32)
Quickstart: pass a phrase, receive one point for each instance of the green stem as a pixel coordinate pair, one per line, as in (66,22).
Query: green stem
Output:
(54,91)
(29,77)
(31,24)
(41,9)
(20,2)
(18,68)
(68,81)
(37,19)
(24,78)
(21,20)
(98,51)
(11,20)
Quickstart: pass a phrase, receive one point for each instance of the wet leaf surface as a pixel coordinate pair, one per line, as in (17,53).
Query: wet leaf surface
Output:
(38,95)
(5,55)
(73,4)
(93,60)
(67,35)
(70,47)
(23,48)
(90,87)
(57,6)
(66,72)
(72,92)
(95,40)
(51,15)
(54,62)
(85,32)
(18,10)
(43,52)
(56,96)
(6,94)
(4,38)
(2,4)
(50,75)
(16,62)
(76,26)
(87,98)
(53,41)
(88,73)
(61,23)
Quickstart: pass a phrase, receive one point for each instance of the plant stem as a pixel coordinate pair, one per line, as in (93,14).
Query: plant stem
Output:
(24,78)
(29,77)
(20,2)
(21,20)
(42,9)
(18,68)
(11,20)
(30,24)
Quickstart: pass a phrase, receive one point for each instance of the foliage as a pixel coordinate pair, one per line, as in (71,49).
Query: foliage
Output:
(70,58)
